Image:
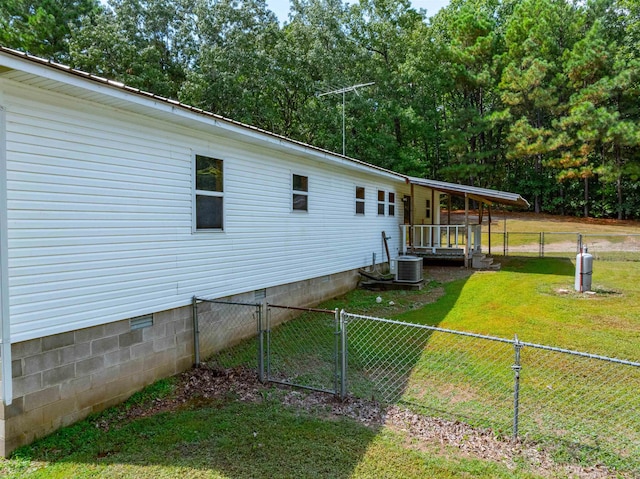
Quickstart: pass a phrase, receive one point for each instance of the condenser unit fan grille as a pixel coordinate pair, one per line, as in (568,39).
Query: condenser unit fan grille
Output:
(409,269)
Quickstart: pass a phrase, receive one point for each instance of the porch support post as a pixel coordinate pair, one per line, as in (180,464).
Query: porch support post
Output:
(413,214)
(433,214)
(466,225)
(489,228)
(448,208)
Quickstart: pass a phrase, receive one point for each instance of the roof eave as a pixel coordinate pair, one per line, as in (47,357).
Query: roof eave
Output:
(480,194)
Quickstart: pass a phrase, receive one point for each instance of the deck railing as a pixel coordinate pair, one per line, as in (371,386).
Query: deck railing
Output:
(440,237)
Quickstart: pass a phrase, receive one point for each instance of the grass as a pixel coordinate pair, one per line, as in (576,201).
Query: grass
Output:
(235,439)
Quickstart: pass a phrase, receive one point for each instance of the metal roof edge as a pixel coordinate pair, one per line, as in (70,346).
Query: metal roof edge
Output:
(496,196)
(219,120)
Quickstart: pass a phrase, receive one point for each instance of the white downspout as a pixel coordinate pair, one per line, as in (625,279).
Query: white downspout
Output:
(5,324)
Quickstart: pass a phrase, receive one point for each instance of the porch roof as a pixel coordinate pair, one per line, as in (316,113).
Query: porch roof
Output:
(479,194)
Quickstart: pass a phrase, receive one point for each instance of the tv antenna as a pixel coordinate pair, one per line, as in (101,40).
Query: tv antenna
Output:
(344,90)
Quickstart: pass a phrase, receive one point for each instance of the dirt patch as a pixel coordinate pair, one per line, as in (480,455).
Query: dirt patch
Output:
(206,387)
(445,274)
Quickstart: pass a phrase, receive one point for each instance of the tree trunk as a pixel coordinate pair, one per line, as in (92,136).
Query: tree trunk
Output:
(586,197)
(619,182)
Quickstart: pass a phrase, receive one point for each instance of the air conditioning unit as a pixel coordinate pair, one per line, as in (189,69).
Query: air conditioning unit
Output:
(408,269)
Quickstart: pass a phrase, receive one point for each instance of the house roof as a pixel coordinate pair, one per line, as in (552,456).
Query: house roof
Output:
(480,194)
(48,75)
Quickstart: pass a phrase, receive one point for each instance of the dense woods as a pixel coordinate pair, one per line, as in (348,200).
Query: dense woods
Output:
(539,97)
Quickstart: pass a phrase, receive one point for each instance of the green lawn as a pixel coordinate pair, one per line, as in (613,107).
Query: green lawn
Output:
(235,439)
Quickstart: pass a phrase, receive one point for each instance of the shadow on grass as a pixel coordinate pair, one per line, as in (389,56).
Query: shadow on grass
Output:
(233,439)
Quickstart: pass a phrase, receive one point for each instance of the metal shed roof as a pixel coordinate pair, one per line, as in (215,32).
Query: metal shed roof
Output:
(480,194)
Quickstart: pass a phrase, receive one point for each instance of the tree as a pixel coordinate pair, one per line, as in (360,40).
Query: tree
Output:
(147,44)
(473,136)
(533,89)
(43,27)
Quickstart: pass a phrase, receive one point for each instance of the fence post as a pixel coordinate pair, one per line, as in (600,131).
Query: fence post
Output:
(259,310)
(336,350)
(579,243)
(196,331)
(516,387)
(268,331)
(343,350)
(541,248)
(505,244)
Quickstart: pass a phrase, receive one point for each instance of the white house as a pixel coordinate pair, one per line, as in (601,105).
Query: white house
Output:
(116,204)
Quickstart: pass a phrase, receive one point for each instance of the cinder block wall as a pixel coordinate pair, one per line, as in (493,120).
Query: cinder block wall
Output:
(61,379)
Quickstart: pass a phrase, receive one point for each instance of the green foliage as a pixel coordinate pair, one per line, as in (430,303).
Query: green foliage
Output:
(534,96)
(43,27)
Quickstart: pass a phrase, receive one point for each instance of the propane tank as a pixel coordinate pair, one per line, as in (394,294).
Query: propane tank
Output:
(584,270)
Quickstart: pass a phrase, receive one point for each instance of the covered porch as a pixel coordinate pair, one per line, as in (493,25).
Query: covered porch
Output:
(446,241)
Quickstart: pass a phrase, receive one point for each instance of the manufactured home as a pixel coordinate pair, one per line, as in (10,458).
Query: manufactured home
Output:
(117,207)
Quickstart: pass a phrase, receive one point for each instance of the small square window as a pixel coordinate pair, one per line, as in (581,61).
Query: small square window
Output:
(359,200)
(381,202)
(300,193)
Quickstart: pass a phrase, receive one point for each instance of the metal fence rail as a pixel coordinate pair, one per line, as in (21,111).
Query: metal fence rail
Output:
(614,247)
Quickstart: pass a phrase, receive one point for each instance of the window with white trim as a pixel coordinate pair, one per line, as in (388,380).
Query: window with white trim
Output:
(300,193)
(359,200)
(209,193)
(427,212)
(381,202)
(392,203)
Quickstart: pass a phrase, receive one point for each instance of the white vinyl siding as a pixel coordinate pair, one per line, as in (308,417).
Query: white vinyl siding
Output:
(100,215)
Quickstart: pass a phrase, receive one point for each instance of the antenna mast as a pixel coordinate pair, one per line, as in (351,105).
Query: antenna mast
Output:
(344,90)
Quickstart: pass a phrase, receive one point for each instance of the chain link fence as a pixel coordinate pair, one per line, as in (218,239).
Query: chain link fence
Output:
(586,403)
(225,333)
(610,247)
(450,374)
(305,352)
(586,407)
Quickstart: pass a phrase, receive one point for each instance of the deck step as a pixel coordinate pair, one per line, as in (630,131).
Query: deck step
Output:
(481,261)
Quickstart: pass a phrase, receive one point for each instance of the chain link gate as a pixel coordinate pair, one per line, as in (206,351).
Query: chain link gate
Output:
(305,352)
(228,334)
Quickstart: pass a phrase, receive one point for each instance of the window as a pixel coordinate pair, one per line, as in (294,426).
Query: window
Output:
(392,204)
(381,204)
(209,193)
(300,193)
(359,200)
(427,213)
